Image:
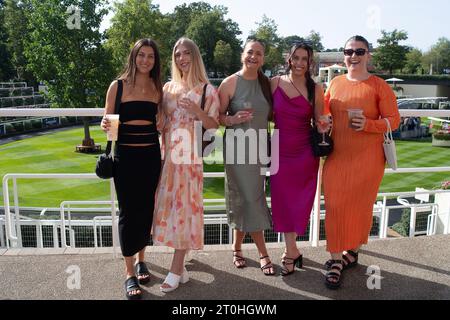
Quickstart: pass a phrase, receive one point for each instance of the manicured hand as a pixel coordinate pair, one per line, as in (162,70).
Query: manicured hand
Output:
(359,122)
(189,106)
(241,117)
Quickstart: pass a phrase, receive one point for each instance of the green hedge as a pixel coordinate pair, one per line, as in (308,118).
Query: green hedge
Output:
(9,128)
(63,120)
(18,102)
(28,125)
(36,124)
(6,103)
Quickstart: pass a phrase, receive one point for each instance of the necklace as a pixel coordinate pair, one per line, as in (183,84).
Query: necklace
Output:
(292,82)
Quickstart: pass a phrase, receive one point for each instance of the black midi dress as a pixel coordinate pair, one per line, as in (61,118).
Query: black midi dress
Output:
(136,174)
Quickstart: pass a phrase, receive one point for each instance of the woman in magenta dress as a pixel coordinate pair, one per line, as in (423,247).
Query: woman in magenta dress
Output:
(296,98)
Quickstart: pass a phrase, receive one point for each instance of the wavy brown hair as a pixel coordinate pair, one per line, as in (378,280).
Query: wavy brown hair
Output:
(129,72)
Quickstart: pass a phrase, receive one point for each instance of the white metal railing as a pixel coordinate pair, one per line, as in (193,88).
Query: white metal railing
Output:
(380,209)
(13,234)
(98,112)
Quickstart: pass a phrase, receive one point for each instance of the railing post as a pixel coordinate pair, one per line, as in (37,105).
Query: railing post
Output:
(412,223)
(101,233)
(17,214)
(2,235)
(316,211)
(220,230)
(40,240)
(63,226)
(381,231)
(95,232)
(55,236)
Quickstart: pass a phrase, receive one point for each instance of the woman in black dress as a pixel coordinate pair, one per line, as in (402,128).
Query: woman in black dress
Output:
(137,157)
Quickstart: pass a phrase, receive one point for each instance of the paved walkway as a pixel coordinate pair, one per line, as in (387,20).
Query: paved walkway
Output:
(416,268)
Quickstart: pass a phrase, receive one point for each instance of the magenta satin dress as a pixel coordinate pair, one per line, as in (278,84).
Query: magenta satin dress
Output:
(293,187)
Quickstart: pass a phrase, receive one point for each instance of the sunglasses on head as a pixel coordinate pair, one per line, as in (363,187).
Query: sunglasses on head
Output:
(358,52)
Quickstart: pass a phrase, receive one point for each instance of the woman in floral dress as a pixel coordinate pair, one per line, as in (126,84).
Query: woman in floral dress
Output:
(178,218)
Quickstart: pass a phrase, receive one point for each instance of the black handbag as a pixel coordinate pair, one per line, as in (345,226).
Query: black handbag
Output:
(205,143)
(104,168)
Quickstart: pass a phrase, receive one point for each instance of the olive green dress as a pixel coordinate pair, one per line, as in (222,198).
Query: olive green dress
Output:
(246,203)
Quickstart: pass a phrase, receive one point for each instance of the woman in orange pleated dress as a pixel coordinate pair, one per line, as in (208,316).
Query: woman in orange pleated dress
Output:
(353,172)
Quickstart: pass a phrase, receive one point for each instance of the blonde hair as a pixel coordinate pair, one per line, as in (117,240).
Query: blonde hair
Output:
(197,71)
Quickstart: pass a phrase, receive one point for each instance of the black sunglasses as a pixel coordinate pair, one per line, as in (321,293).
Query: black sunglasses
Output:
(358,52)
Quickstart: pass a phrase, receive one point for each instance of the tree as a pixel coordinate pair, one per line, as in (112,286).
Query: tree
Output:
(17,26)
(133,20)
(6,69)
(208,29)
(222,57)
(390,55)
(267,31)
(64,50)
(287,42)
(315,41)
(182,17)
(413,61)
(206,26)
(438,56)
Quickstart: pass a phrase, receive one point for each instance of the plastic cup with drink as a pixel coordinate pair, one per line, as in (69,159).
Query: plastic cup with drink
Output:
(113,132)
(352,113)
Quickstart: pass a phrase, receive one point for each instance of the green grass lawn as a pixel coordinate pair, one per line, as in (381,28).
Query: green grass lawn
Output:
(55,153)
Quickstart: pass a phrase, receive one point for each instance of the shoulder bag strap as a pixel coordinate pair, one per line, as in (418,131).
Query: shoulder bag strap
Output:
(202,105)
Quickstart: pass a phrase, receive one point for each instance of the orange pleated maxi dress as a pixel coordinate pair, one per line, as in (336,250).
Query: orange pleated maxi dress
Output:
(353,172)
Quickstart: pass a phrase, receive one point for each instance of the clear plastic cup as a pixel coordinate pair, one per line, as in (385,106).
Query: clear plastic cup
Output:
(351,114)
(113,132)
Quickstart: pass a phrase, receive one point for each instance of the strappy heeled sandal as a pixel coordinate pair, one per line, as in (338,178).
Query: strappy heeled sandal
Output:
(238,261)
(297,262)
(267,266)
(347,263)
(335,274)
(174,280)
(132,284)
(142,271)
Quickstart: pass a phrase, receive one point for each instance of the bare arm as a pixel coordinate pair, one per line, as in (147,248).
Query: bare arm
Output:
(226,92)
(110,105)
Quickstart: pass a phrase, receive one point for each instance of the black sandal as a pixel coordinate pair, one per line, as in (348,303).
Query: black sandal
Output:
(347,264)
(142,271)
(336,275)
(132,284)
(350,264)
(297,262)
(268,265)
(237,259)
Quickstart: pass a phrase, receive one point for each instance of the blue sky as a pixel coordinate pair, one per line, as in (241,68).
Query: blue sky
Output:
(425,21)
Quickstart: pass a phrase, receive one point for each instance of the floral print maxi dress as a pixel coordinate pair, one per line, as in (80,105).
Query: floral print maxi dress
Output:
(178,217)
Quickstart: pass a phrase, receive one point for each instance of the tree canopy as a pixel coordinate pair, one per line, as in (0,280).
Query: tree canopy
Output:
(390,55)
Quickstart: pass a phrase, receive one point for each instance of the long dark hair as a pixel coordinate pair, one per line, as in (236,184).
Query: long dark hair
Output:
(129,72)
(310,83)
(264,82)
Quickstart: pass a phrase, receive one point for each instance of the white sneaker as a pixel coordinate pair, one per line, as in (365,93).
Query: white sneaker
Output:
(173,280)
